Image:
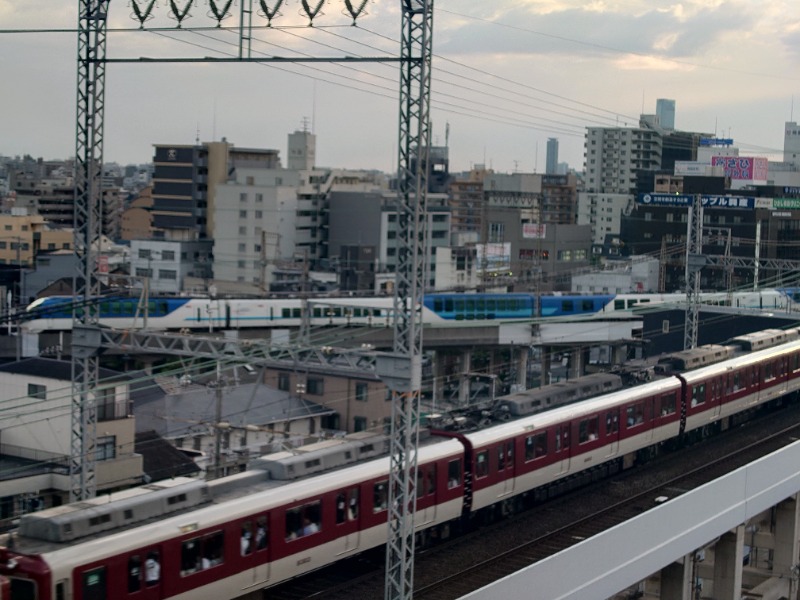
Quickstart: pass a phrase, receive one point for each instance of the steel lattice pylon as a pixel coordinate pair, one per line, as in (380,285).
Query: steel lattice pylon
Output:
(694,262)
(92,31)
(414,143)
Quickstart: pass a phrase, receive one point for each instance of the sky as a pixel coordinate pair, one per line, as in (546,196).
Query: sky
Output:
(506,76)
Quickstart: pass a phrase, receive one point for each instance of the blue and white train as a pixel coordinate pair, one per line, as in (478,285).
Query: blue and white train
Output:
(178,313)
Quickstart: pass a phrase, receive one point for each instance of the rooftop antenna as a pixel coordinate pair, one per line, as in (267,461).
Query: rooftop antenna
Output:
(197,136)
(447,134)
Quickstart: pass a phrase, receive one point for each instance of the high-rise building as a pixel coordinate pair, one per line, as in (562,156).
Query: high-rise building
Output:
(665,110)
(791,143)
(616,155)
(551,168)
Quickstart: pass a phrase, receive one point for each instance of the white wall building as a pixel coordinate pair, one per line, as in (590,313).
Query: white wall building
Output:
(614,154)
(603,212)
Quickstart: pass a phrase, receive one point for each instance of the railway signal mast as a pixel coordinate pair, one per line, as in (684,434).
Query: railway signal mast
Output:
(402,367)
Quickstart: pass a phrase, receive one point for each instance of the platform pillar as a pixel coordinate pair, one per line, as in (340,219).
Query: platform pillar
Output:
(522,367)
(575,363)
(728,555)
(464,379)
(676,579)
(786,554)
(544,379)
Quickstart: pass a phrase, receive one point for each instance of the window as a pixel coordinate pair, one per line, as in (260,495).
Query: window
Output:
(359,423)
(668,402)
(200,553)
(303,520)
(453,473)
(482,464)
(94,584)
(612,422)
(106,448)
(242,230)
(588,430)
(168,255)
(635,414)
(698,394)
(380,496)
(134,573)
(283,382)
(259,197)
(167,274)
(242,214)
(361,392)
(37,391)
(104,400)
(242,247)
(315,386)
(144,253)
(259,214)
(243,197)
(535,446)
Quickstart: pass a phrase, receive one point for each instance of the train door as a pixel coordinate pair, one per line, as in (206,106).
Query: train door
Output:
(348,504)
(144,574)
(505,467)
(261,548)
(612,433)
(562,449)
(425,491)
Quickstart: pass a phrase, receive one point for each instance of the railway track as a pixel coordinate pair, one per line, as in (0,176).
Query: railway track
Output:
(457,567)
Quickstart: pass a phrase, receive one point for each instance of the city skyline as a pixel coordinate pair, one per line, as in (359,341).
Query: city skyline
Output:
(506,77)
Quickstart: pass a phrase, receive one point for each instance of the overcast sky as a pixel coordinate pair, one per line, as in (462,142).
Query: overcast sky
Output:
(507,75)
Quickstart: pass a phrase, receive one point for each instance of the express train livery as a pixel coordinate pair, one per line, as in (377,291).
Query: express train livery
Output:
(297,511)
(177,313)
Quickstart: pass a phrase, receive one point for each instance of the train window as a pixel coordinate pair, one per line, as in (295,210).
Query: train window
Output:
(448,305)
(453,473)
(737,382)
(380,496)
(420,483)
(297,313)
(482,464)
(352,505)
(587,305)
(698,394)
(795,362)
(285,313)
(24,589)
(769,371)
(61,593)
(501,458)
(612,422)
(246,540)
(134,573)
(459,306)
(438,305)
(668,402)
(619,304)
(341,508)
(261,533)
(470,305)
(558,439)
(303,520)
(588,430)
(202,553)
(490,305)
(567,306)
(432,480)
(94,584)
(635,414)
(535,446)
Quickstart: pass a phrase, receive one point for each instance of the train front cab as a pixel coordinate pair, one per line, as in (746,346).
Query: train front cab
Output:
(24,577)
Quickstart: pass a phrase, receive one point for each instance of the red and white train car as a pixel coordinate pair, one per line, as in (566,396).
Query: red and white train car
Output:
(248,535)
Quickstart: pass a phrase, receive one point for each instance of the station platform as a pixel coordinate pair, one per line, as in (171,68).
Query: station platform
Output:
(706,536)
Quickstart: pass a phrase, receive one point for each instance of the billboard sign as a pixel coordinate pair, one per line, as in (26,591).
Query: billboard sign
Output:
(746,168)
(666,199)
(729,202)
(493,255)
(534,231)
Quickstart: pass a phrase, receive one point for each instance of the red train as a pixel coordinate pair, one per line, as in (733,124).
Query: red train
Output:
(295,512)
